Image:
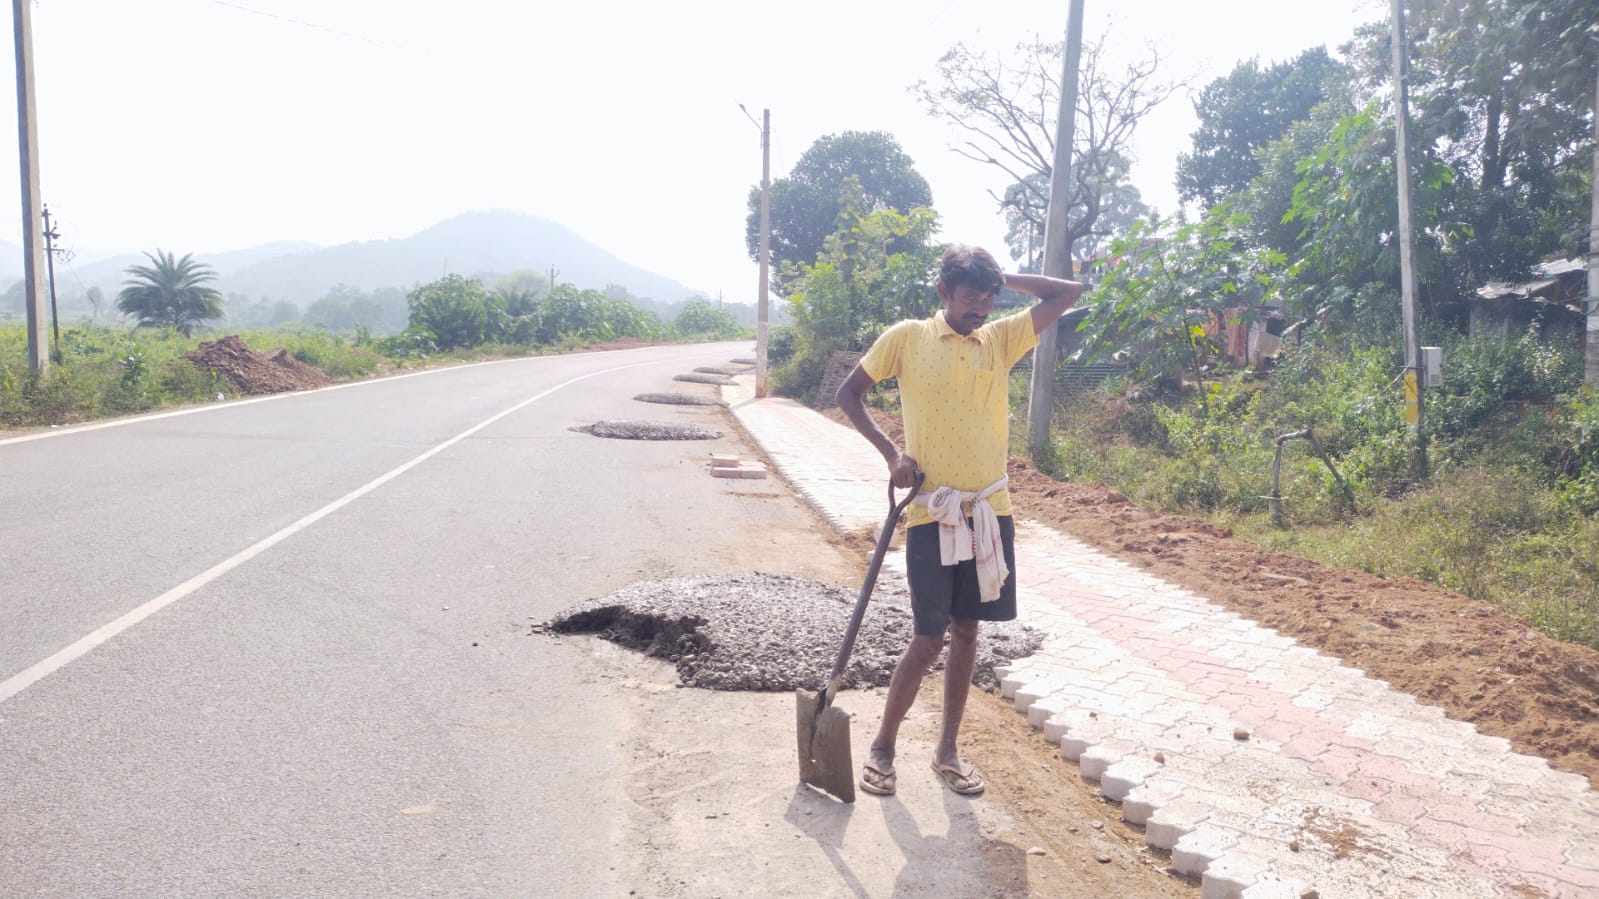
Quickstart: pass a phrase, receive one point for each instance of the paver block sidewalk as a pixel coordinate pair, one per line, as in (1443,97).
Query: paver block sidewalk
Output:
(1281,767)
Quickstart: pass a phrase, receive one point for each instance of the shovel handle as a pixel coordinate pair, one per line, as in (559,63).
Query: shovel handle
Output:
(894,511)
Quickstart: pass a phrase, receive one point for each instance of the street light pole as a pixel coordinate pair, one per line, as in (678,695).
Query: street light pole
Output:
(765,124)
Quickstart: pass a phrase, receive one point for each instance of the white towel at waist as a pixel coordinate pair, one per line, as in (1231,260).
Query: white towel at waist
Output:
(958,542)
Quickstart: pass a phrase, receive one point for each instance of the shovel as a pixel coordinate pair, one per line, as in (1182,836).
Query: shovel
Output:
(824,756)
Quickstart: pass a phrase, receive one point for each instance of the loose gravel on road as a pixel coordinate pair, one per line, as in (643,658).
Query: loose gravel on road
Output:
(701,378)
(679,399)
(770,632)
(649,430)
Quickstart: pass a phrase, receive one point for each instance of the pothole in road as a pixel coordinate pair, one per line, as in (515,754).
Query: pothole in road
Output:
(770,632)
(702,378)
(649,430)
(678,399)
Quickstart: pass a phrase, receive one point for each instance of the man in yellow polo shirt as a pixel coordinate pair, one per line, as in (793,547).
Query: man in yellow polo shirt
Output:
(954,375)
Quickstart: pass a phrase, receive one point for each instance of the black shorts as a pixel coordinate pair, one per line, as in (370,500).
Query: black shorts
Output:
(940,592)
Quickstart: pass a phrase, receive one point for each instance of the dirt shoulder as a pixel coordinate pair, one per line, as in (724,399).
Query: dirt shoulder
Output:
(1474,661)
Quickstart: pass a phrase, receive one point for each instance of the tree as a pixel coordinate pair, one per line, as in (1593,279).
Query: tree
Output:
(96,298)
(875,269)
(1244,111)
(1501,90)
(1120,207)
(1008,114)
(700,317)
(805,206)
(456,313)
(170,292)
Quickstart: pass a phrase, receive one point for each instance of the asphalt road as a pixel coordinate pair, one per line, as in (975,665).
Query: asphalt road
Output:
(281,648)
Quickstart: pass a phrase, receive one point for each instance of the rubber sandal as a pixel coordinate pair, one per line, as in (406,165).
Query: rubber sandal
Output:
(965,782)
(877,783)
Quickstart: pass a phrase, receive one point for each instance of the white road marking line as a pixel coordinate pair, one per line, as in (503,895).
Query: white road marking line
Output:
(16,683)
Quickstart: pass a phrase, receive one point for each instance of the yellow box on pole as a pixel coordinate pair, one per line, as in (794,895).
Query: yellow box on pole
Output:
(1412,399)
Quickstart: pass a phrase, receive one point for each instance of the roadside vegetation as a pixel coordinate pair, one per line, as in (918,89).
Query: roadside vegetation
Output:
(108,370)
(1292,172)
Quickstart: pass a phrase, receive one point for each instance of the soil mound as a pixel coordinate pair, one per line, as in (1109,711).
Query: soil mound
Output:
(255,373)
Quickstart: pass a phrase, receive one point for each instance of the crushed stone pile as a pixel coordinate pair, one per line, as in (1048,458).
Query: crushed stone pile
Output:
(702,378)
(724,370)
(744,360)
(254,373)
(680,399)
(649,430)
(771,632)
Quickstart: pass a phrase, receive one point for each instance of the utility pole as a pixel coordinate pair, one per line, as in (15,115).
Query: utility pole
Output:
(1414,402)
(1590,374)
(28,156)
(553,273)
(50,237)
(1057,243)
(765,125)
(766,252)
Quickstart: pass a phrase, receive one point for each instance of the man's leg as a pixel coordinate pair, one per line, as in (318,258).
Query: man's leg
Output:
(902,687)
(958,669)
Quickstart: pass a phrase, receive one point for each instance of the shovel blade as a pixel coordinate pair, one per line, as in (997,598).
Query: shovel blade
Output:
(824,754)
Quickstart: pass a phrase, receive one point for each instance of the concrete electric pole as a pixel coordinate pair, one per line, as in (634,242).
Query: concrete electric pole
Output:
(762,304)
(1057,244)
(28,156)
(1414,403)
(1590,375)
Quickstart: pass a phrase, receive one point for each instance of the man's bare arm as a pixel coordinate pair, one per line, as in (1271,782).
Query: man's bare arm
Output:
(850,397)
(1055,296)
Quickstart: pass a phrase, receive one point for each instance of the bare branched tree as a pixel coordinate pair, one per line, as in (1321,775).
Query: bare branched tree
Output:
(1006,108)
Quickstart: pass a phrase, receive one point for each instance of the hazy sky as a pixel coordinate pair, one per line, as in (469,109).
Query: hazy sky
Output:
(209,125)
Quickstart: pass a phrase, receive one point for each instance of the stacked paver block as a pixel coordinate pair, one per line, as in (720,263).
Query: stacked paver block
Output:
(1337,784)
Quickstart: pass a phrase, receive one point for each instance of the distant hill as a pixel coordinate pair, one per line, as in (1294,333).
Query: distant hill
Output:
(108,274)
(469,244)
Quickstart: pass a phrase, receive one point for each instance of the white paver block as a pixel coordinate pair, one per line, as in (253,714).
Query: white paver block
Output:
(1094,761)
(1174,821)
(1201,847)
(1271,885)
(1228,876)
(1123,775)
(1149,797)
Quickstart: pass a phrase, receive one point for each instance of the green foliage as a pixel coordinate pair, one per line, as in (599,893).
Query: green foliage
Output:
(701,318)
(455,313)
(806,206)
(875,270)
(1163,303)
(1242,113)
(170,292)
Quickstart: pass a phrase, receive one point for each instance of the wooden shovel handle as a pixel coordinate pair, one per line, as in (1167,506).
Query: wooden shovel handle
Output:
(894,511)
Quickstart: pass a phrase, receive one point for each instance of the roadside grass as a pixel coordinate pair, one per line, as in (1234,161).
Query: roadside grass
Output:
(1497,522)
(107,371)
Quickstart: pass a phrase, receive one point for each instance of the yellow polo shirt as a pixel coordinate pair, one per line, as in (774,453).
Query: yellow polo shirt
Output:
(954,394)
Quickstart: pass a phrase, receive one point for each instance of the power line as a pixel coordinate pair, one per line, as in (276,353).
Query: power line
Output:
(314,26)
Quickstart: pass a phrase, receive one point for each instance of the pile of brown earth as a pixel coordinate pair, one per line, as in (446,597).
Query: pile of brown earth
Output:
(255,373)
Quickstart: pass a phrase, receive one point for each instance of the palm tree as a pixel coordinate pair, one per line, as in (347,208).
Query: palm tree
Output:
(170,292)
